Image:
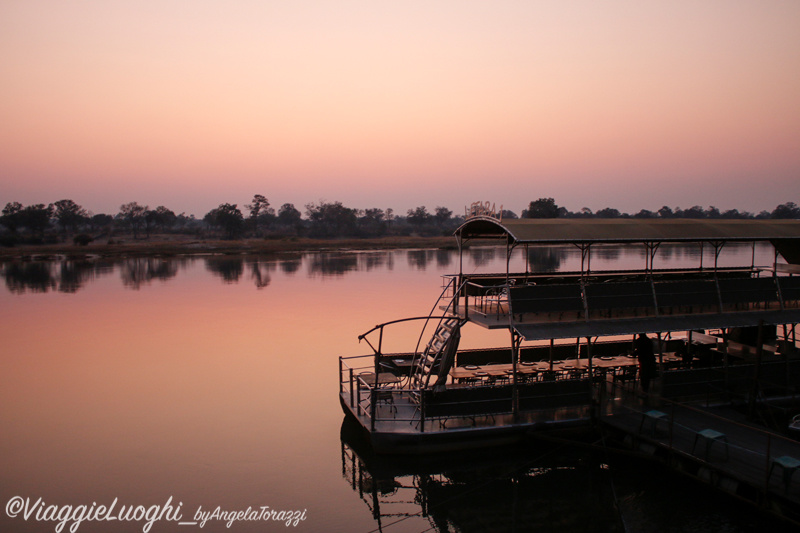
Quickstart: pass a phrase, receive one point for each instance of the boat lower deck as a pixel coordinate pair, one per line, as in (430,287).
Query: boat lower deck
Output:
(397,427)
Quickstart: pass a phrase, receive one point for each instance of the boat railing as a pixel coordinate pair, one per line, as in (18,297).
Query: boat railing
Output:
(387,401)
(374,396)
(618,296)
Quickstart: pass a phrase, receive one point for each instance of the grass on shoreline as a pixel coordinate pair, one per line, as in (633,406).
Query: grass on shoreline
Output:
(183,245)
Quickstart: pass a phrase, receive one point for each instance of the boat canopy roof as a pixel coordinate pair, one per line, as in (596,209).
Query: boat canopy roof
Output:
(598,230)
(652,324)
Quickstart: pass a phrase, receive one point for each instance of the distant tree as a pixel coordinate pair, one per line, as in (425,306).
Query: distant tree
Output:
(259,209)
(693,212)
(644,213)
(371,222)
(36,218)
(332,220)
(100,221)
(787,210)
(162,217)
(186,223)
(608,212)
(228,218)
(507,214)
(419,216)
(734,213)
(133,216)
(289,218)
(11,218)
(69,214)
(712,212)
(442,215)
(666,212)
(542,208)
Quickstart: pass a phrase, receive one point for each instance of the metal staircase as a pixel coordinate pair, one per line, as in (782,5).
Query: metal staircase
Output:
(443,342)
(430,359)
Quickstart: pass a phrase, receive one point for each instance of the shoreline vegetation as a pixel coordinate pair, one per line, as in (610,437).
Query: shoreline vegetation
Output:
(169,245)
(66,229)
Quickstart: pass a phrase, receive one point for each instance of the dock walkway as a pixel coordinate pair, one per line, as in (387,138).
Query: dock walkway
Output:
(716,445)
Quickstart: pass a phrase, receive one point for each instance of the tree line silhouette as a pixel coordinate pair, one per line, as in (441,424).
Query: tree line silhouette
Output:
(547,208)
(57,222)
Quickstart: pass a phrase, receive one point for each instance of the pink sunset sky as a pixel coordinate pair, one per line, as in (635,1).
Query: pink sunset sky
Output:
(398,104)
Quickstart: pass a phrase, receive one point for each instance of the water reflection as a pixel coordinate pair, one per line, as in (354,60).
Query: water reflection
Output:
(444,258)
(140,271)
(481,256)
(34,277)
(44,276)
(536,486)
(74,274)
(419,259)
(290,266)
(70,276)
(259,273)
(377,260)
(607,253)
(524,488)
(332,264)
(546,259)
(230,269)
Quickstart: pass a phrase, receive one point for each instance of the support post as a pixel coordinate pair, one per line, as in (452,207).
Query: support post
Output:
(757,370)
(352,392)
(725,358)
(516,340)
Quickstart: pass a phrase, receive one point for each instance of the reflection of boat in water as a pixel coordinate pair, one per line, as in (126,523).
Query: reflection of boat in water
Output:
(719,334)
(533,486)
(513,490)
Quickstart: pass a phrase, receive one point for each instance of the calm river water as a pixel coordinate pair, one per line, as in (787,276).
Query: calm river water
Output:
(211,382)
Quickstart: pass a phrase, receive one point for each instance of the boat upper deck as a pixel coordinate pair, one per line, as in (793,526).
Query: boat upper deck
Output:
(614,303)
(587,303)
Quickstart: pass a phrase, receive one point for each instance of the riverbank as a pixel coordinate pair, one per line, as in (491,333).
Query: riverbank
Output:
(167,245)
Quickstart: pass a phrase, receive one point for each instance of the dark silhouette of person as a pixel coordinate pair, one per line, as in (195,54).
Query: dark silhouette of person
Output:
(643,349)
(683,353)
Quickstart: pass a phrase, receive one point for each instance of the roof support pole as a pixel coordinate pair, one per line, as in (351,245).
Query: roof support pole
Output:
(701,255)
(584,248)
(717,249)
(725,358)
(785,353)
(652,248)
(527,262)
(460,281)
(775,262)
(660,352)
(516,340)
(509,250)
(757,369)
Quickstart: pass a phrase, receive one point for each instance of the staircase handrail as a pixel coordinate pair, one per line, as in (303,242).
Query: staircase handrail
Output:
(363,336)
(439,299)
